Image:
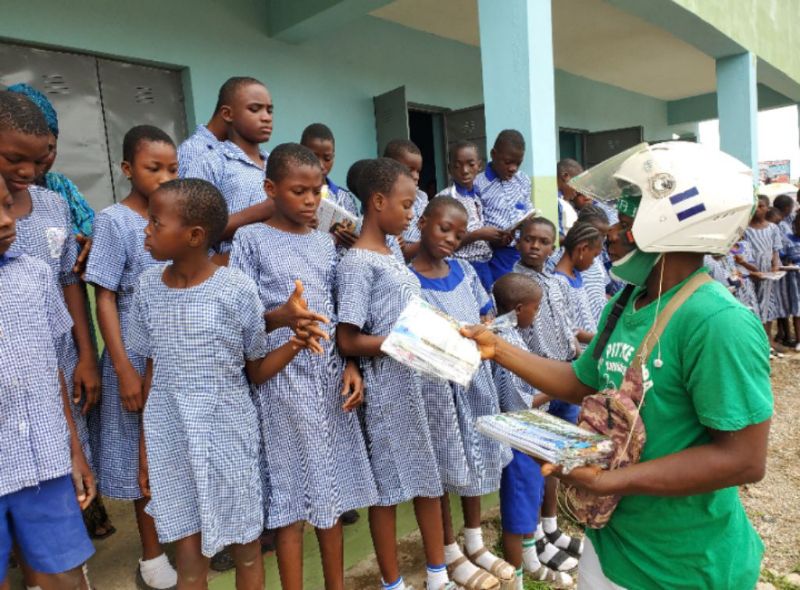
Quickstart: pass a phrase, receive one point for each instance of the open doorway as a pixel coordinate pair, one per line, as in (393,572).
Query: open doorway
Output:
(426,129)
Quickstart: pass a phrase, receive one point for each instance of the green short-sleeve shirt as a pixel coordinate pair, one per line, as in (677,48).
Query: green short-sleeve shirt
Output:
(715,375)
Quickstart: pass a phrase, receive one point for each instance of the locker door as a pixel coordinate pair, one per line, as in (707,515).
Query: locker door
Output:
(604,144)
(391,117)
(138,95)
(467,125)
(70,82)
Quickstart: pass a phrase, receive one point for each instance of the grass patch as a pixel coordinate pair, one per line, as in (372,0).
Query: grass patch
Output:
(779,582)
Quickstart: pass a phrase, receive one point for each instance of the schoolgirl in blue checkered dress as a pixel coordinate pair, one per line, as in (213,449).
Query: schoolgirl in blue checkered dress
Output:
(373,287)
(766,242)
(315,459)
(117,259)
(791,257)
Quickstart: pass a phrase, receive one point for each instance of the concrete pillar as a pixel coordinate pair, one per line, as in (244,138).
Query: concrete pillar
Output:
(518,86)
(737,106)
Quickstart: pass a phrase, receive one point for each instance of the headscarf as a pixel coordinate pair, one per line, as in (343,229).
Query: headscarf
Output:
(42,102)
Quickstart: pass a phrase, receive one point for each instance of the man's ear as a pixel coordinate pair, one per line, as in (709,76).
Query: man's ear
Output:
(493,153)
(226,112)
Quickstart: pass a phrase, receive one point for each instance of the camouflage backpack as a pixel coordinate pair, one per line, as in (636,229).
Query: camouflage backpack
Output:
(615,412)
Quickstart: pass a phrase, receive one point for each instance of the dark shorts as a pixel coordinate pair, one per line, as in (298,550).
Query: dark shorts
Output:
(503,261)
(521,494)
(46,524)
(564,410)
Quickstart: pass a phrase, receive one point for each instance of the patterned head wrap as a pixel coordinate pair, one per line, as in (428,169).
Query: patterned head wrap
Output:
(41,101)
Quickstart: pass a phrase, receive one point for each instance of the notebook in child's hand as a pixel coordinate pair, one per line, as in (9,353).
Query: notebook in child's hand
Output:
(547,438)
(515,226)
(430,342)
(332,216)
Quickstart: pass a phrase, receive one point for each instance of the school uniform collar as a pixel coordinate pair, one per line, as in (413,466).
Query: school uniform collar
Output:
(576,282)
(332,188)
(8,257)
(446,283)
(463,191)
(234,152)
(210,139)
(491,175)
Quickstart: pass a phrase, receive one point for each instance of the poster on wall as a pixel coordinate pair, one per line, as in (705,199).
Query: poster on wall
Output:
(774,171)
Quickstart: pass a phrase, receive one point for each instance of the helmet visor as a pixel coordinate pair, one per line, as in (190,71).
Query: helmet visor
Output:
(602,182)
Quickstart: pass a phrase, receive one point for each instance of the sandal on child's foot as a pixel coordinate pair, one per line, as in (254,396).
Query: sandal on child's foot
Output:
(499,568)
(572,545)
(446,586)
(479,579)
(553,557)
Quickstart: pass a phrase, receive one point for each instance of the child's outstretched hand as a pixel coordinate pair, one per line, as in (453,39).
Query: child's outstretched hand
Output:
(486,340)
(295,314)
(353,386)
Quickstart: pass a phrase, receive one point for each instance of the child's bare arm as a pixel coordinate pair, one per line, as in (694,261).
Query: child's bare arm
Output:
(540,399)
(87,377)
(352,342)
(144,471)
(82,477)
(260,370)
(253,214)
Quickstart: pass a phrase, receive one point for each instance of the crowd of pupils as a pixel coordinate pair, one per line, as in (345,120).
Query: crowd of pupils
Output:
(242,388)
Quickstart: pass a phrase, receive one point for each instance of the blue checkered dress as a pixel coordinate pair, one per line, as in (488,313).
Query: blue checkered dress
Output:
(791,255)
(479,251)
(197,145)
(412,233)
(200,424)
(372,290)
(46,234)
(238,178)
(578,299)
(34,439)
(514,393)
(469,464)
(764,242)
(595,281)
(552,334)
(316,465)
(117,259)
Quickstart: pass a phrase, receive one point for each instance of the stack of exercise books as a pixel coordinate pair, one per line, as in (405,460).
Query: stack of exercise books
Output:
(548,438)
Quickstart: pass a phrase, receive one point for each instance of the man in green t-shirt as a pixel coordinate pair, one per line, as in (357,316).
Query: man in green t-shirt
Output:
(708,399)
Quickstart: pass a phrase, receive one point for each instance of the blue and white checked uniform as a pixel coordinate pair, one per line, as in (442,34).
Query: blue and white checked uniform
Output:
(579,300)
(746,291)
(505,202)
(791,255)
(372,290)
(46,234)
(316,465)
(342,197)
(238,178)
(470,464)
(117,259)
(479,251)
(552,334)
(412,233)
(200,424)
(514,393)
(34,438)
(197,145)
(595,281)
(764,242)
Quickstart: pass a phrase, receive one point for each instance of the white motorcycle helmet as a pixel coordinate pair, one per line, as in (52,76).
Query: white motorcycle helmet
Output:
(693,198)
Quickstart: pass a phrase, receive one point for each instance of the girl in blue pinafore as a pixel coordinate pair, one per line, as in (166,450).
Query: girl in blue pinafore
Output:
(117,259)
(315,460)
(470,464)
(373,287)
(791,257)
(765,242)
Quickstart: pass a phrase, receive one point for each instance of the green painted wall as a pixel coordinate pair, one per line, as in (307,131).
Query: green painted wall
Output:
(767,28)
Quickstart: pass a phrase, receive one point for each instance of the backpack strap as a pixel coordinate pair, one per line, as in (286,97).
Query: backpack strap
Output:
(611,321)
(646,346)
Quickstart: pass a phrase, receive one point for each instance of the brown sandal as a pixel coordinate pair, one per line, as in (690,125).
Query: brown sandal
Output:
(480,580)
(501,569)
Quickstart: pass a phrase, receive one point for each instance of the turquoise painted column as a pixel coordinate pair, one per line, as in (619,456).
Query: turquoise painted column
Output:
(519,88)
(737,108)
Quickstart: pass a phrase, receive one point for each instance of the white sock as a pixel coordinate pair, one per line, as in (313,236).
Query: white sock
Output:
(473,539)
(539,531)
(437,576)
(398,584)
(564,561)
(530,559)
(518,580)
(158,572)
(549,524)
(464,571)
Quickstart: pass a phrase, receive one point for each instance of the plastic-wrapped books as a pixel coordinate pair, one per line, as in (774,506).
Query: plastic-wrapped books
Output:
(331,216)
(548,438)
(429,341)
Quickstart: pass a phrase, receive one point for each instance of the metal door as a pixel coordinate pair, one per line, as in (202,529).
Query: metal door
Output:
(391,117)
(604,144)
(70,82)
(467,124)
(138,95)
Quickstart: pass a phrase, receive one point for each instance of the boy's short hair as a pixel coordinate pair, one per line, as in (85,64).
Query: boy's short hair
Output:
(20,113)
(513,289)
(442,202)
(593,214)
(379,176)
(568,166)
(199,203)
(774,215)
(783,202)
(581,232)
(287,155)
(397,147)
(510,138)
(230,87)
(531,221)
(463,145)
(318,131)
(354,174)
(139,134)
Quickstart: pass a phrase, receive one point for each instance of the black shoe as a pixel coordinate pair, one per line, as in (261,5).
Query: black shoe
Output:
(350,517)
(222,561)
